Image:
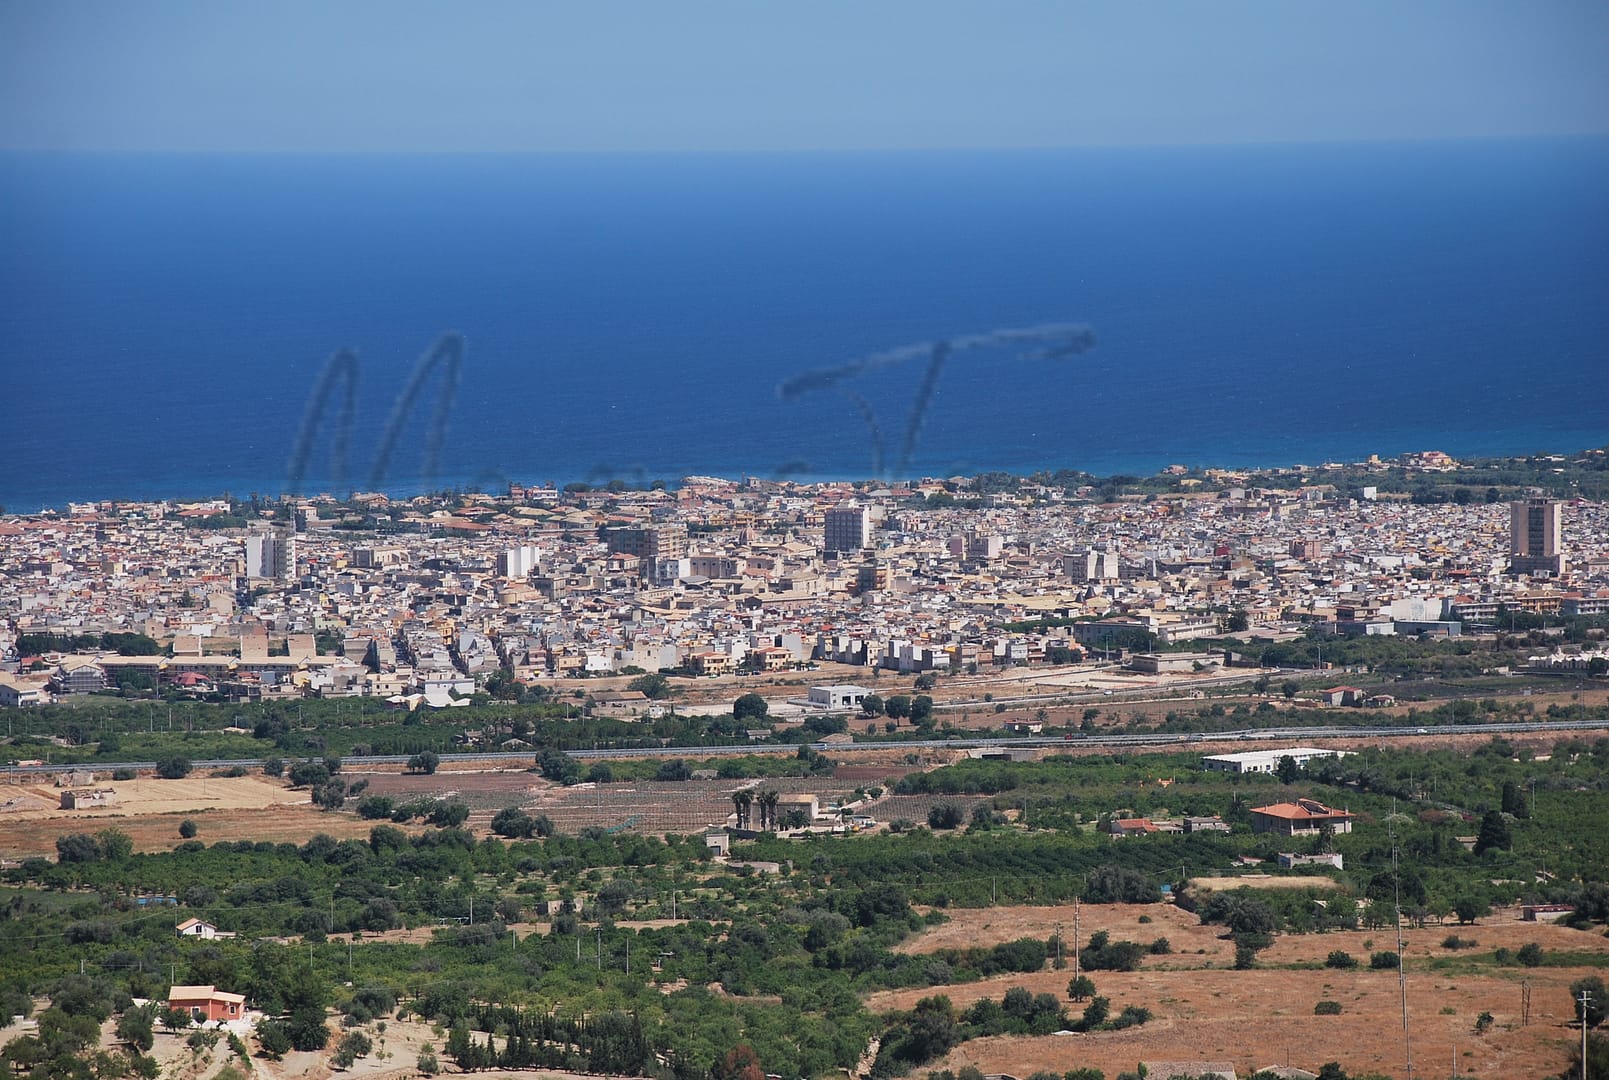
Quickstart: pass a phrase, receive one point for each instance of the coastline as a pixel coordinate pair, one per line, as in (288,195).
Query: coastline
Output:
(1549,469)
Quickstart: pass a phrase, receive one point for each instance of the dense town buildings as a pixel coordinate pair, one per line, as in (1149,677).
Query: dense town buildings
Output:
(426,599)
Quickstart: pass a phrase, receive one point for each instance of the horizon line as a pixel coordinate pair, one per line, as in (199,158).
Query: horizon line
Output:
(786,151)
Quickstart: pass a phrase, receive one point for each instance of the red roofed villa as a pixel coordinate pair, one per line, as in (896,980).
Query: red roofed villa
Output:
(1301,817)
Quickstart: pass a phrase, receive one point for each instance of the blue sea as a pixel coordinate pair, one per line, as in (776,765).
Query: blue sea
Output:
(165,319)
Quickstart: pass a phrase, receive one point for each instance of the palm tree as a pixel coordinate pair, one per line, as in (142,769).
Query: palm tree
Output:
(745,799)
(768,808)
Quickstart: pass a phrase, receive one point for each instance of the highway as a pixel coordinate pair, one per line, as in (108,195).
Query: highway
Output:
(1176,742)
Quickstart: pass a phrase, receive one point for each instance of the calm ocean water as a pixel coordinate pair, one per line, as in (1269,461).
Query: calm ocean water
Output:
(163,319)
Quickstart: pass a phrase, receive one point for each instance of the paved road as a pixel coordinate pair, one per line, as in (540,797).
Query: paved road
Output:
(1280,734)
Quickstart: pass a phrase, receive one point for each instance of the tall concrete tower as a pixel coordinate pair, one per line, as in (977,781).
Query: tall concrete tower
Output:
(1536,537)
(271,555)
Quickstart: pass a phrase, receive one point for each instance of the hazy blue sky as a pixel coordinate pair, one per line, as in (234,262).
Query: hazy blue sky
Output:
(802,74)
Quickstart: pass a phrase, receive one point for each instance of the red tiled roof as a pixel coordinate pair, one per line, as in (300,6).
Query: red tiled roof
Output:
(1301,810)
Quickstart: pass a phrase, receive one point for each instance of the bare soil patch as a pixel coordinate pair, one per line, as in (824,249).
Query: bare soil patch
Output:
(1261,1017)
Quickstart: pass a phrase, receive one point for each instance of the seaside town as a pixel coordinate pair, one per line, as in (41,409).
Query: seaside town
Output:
(426,601)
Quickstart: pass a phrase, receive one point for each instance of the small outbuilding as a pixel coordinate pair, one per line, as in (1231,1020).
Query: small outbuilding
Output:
(207,1003)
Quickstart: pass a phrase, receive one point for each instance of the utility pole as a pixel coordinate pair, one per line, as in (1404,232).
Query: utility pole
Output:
(1075,937)
(1586,1001)
(1402,974)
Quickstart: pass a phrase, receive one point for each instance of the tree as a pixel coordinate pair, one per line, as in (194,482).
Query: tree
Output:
(1494,834)
(926,681)
(273,1037)
(1287,770)
(1289,687)
(944,815)
(675,770)
(738,1063)
(750,707)
(559,767)
(898,706)
(353,1045)
(306,1028)
(1239,622)
(425,762)
(274,767)
(77,848)
(187,829)
(1080,988)
(652,686)
(1469,907)
(921,709)
(173,767)
(135,1028)
(513,823)
(872,705)
(1598,1003)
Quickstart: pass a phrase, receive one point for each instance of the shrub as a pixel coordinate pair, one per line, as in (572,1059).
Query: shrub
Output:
(1340,959)
(187,828)
(1453,941)
(273,1037)
(375,807)
(1482,1023)
(1131,1016)
(1530,954)
(123,774)
(1161,946)
(427,1063)
(1383,960)
(1103,954)
(173,767)
(1327,1008)
(1245,957)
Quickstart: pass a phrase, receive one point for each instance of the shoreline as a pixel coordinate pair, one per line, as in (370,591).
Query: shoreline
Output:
(1550,464)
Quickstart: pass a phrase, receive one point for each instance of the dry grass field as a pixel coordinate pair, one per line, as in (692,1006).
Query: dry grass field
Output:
(1206,1010)
(150,810)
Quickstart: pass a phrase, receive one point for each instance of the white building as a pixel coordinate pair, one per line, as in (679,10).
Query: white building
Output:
(1266,761)
(842,696)
(271,555)
(518,562)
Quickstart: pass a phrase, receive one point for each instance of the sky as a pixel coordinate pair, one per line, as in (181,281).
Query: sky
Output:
(710,75)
